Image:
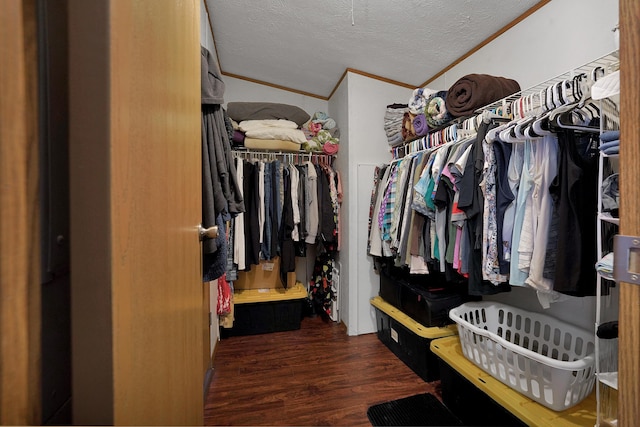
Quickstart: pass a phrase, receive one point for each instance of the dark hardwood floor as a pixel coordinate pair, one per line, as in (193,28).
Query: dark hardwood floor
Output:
(315,376)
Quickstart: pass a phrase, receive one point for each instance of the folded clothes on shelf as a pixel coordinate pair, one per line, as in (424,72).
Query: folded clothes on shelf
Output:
(611,194)
(610,147)
(610,135)
(605,266)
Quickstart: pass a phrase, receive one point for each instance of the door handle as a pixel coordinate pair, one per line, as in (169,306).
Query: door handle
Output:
(210,233)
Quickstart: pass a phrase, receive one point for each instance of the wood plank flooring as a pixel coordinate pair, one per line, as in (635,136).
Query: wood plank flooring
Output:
(315,376)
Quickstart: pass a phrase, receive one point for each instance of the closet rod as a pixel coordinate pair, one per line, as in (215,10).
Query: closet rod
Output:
(461,127)
(328,158)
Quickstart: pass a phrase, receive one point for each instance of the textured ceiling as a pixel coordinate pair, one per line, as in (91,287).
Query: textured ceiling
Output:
(307,45)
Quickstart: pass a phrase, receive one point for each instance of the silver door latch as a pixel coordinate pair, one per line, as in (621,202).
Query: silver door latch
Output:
(626,260)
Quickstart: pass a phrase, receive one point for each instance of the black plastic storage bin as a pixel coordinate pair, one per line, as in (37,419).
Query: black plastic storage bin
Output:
(265,317)
(390,288)
(428,308)
(267,310)
(470,404)
(426,298)
(408,340)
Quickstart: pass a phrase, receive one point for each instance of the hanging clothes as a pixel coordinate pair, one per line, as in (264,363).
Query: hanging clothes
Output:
(302,194)
(506,207)
(573,195)
(221,196)
(251,221)
(287,252)
(321,286)
(538,227)
(306,196)
(239,249)
(517,277)
(471,201)
(312,203)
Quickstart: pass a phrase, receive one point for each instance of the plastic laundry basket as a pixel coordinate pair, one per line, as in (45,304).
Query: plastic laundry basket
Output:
(541,357)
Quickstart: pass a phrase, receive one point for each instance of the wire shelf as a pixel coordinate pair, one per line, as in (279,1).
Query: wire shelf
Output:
(607,63)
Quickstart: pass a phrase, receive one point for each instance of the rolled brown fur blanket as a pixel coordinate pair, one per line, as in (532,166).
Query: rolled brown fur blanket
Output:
(474,91)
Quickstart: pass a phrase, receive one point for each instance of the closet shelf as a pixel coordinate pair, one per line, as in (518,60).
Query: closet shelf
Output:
(608,218)
(605,62)
(606,303)
(301,153)
(608,378)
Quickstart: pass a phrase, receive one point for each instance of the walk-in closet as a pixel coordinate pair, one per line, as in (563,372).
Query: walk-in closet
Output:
(362,213)
(474,243)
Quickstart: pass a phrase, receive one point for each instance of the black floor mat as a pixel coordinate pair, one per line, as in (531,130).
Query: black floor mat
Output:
(419,410)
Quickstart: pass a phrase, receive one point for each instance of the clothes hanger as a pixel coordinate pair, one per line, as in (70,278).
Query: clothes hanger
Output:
(565,121)
(537,113)
(492,134)
(565,116)
(524,110)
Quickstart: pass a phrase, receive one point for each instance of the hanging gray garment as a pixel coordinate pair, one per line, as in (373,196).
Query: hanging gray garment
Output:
(212,86)
(213,201)
(226,167)
(221,195)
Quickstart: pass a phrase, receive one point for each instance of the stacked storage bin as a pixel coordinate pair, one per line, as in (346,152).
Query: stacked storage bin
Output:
(412,311)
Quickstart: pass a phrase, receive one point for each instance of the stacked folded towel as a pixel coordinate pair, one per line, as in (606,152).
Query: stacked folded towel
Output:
(267,125)
(393,123)
(285,130)
(610,142)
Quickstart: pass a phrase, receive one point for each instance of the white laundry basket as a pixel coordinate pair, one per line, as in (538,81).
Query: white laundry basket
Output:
(537,355)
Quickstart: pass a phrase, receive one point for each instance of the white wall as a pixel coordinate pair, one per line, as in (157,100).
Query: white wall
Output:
(362,107)
(238,90)
(206,37)
(560,36)
(339,111)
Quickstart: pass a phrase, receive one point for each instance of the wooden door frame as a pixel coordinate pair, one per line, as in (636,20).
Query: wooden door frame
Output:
(629,341)
(19,216)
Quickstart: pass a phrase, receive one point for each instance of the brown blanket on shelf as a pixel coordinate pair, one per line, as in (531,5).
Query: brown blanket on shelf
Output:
(474,91)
